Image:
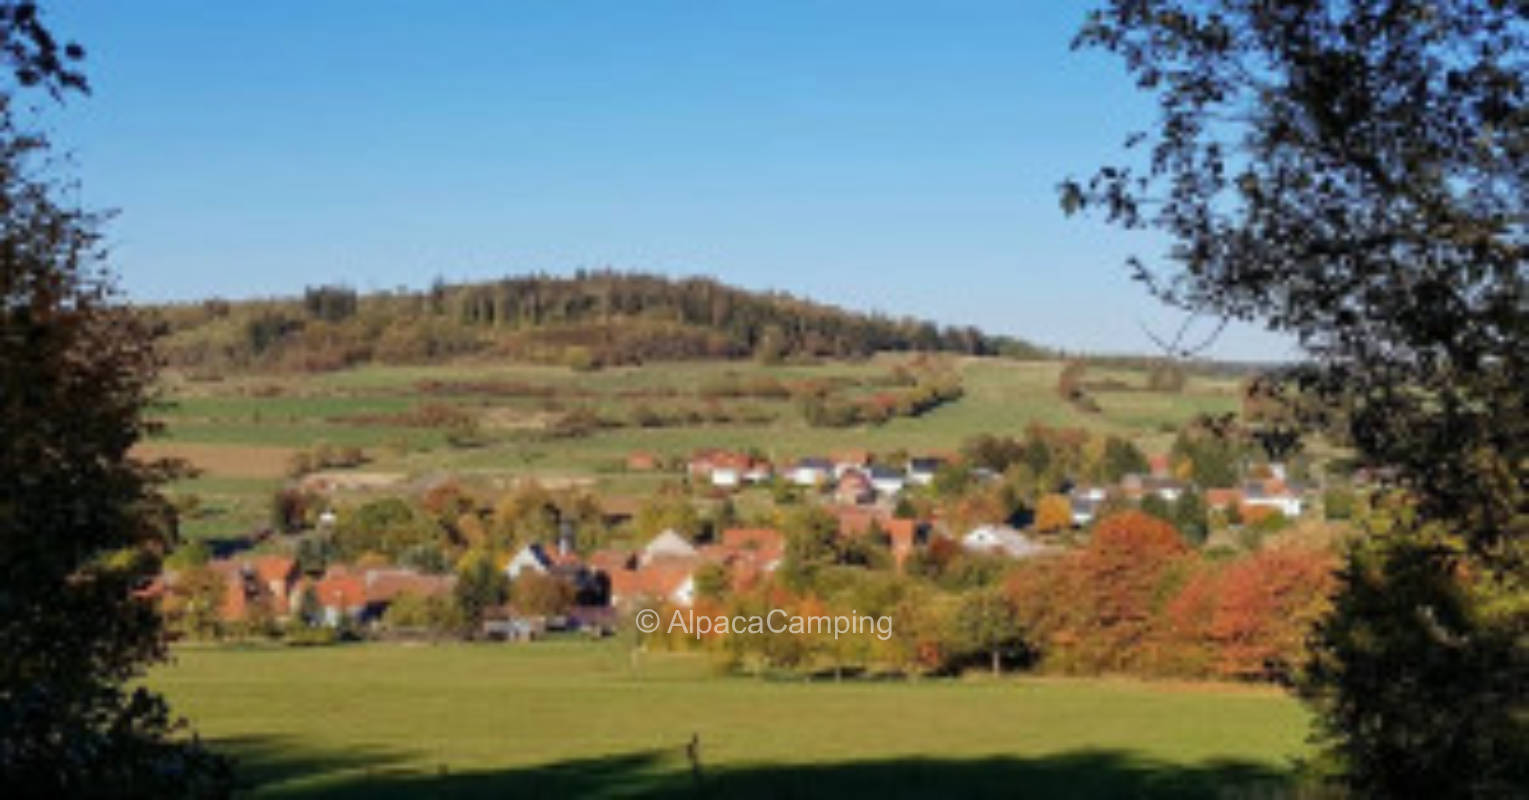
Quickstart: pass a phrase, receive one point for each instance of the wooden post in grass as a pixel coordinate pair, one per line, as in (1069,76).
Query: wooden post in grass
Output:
(693,754)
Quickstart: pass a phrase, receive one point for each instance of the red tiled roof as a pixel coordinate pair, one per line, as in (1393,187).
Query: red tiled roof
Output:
(900,531)
(568,559)
(609,561)
(708,460)
(753,538)
(275,568)
(657,581)
(340,589)
(854,480)
(384,585)
(1222,497)
(625,583)
(760,545)
(661,580)
(855,521)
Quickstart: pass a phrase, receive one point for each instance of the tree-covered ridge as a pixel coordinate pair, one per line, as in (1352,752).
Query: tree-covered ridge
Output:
(593,318)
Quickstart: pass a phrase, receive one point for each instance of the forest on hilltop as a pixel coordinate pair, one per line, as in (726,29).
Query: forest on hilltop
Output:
(589,320)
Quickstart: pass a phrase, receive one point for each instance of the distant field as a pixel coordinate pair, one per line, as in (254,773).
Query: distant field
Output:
(580,719)
(226,461)
(244,426)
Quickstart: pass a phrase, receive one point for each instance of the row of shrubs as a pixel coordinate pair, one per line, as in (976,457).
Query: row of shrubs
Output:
(833,412)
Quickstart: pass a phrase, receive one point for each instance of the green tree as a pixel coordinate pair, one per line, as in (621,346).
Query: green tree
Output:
(189,555)
(1338,503)
(711,582)
(1155,505)
(1122,458)
(480,587)
(1354,175)
(985,623)
(1189,516)
(310,612)
(812,539)
(80,519)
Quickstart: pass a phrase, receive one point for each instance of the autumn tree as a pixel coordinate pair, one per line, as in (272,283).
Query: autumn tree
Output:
(1354,176)
(541,594)
(1053,513)
(196,603)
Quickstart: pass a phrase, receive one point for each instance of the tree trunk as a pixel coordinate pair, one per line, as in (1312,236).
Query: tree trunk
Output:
(995,662)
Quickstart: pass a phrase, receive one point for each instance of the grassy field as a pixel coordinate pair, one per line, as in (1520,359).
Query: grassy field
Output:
(581,719)
(243,427)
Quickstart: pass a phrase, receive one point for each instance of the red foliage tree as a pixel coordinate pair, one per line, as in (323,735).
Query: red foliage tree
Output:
(1265,606)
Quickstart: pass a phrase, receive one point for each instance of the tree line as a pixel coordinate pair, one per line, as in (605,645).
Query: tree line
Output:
(587,320)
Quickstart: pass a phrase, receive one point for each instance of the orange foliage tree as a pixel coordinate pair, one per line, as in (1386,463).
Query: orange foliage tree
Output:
(1053,513)
(1265,605)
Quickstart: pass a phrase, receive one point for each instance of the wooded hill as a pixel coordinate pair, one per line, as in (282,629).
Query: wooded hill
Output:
(589,320)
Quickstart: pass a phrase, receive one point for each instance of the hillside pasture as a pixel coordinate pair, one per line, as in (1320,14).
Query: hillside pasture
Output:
(371,406)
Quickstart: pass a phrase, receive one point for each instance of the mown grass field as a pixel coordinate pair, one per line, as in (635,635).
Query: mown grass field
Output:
(239,427)
(582,719)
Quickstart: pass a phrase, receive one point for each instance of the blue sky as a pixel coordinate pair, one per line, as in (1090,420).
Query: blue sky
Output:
(880,155)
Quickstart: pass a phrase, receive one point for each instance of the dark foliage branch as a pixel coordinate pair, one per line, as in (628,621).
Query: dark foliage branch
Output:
(1357,174)
(1354,174)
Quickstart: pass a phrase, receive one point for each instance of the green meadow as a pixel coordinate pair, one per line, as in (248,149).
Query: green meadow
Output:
(593,719)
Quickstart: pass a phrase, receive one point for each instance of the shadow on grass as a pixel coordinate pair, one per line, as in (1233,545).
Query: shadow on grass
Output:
(279,768)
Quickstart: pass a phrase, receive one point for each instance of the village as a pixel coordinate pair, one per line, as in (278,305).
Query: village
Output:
(903,515)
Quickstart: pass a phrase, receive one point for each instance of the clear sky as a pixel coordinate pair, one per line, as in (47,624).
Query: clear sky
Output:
(879,155)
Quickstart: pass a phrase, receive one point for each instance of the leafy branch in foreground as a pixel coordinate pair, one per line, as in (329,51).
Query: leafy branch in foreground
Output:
(1356,174)
(81,524)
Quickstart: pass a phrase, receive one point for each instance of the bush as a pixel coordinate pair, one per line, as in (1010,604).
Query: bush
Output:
(1338,503)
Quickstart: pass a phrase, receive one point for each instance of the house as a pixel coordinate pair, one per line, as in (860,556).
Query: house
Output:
(847,460)
(1085,502)
(1273,494)
(1001,540)
(245,588)
(760,471)
(921,470)
(341,595)
(1169,489)
(532,557)
(729,470)
(810,472)
(887,481)
(276,573)
(854,488)
(764,546)
(668,545)
(383,586)
(671,584)
(1139,486)
(702,462)
(609,560)
(667,582)
(727,477)
(1223,498)
(902,535)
